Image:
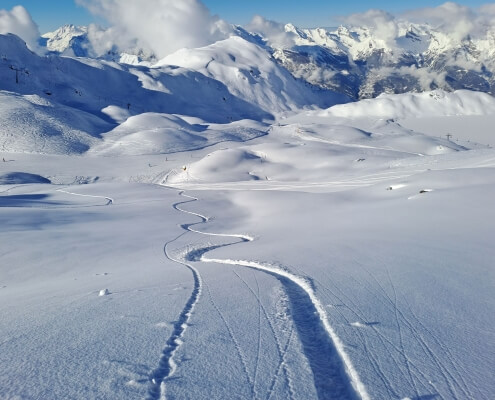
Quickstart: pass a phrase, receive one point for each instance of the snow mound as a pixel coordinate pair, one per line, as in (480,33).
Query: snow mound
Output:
(153,133)
(427,104)
(233,165)
(20,178)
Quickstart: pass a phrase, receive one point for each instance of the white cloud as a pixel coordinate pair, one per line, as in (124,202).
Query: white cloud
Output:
(272,31)
(426,77)
(456,21)
(19,22)
(486,15)
(451,18)
(104,40)
(383,24)
(488,9)
(163,26)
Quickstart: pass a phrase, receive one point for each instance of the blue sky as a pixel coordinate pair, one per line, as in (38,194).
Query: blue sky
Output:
(50,14)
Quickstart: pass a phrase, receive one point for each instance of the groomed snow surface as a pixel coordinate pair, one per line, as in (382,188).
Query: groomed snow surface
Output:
(242,245)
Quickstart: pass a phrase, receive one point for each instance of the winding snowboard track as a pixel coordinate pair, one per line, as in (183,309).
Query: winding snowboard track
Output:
(334,374)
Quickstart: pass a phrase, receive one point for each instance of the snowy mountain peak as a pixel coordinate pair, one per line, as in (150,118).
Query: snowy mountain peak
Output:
(60,40)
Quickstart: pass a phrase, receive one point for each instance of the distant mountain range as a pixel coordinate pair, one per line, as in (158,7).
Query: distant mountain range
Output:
(363,65)
(357,61)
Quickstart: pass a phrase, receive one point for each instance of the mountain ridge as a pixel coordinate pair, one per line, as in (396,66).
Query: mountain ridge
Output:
(356,61)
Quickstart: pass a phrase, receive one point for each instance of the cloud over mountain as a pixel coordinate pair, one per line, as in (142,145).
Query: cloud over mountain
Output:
(163,26)
(383,24)
(451,18)
(19,22)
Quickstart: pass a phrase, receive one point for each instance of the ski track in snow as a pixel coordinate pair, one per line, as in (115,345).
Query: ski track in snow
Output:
(10,188)
(310,138)
(282,351)
(397,349)
(334,374)
(391,348)
(167,365)
(240,353)
(109,200)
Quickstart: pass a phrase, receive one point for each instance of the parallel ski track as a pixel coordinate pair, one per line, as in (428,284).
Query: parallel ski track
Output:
(281,350)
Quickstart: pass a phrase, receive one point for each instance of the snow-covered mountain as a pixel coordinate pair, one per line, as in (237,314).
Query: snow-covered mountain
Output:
(251,74)
(358,61)
(63,39)
(83,41)
(363,63)
(228,81)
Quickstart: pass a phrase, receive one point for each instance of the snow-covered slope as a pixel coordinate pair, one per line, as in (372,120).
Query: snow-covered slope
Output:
(324,147)
(34,124)
(250,73)
(93,85)
(21,178)
(327,259)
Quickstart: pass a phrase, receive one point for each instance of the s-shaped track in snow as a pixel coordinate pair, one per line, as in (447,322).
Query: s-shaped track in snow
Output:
(334,374)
